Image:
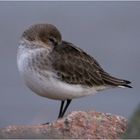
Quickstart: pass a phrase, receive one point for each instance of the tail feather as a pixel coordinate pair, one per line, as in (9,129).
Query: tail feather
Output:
(127,84)
(110,80)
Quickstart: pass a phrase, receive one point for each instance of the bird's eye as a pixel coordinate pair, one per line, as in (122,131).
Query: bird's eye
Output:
(53,40)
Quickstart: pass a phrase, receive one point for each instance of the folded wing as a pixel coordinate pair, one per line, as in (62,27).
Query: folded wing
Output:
(74,66)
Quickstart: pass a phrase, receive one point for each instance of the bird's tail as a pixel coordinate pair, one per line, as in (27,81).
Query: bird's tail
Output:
(110,80)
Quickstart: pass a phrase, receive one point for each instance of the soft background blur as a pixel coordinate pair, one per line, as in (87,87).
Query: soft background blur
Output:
(109,31)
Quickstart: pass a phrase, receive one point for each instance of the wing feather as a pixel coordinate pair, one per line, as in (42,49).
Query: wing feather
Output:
(74,66)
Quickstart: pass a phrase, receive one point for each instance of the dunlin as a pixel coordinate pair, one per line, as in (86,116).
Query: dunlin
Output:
(59,70)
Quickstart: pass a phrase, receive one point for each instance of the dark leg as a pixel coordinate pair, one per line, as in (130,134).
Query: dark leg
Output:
(61,109)
(60,112)
(65,108)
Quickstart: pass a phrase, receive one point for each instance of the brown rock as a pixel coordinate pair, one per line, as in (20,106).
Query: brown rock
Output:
(94,125)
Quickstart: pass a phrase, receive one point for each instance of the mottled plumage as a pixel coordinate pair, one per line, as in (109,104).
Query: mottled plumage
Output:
(74,66)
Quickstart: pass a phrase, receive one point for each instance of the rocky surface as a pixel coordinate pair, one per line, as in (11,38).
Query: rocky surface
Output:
(76,125)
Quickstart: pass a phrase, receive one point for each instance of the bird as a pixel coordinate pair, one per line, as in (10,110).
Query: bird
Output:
(57,69)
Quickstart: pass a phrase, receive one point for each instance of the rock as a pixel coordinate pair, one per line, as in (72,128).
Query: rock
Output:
(93,125)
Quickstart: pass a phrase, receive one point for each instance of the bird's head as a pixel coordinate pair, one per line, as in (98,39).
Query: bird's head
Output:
(45,35)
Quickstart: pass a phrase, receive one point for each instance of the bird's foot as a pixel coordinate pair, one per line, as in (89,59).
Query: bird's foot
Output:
(46,123)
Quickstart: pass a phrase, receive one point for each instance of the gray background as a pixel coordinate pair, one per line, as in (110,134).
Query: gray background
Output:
(109,31)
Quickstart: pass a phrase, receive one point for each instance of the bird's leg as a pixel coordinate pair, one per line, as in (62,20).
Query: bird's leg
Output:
(61,108)
(60,112)
(65,108)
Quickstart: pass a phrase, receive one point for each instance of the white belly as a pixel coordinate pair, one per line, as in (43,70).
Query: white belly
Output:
(53,88)
(49,86)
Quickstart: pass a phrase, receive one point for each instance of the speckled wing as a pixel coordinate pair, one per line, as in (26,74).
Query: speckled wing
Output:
(74,66)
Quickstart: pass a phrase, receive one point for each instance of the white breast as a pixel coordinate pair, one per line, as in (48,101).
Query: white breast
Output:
(47,86)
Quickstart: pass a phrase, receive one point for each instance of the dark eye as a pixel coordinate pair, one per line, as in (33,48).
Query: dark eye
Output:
(53,41)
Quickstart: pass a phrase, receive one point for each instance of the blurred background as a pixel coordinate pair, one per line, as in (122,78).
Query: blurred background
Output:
(109,31)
